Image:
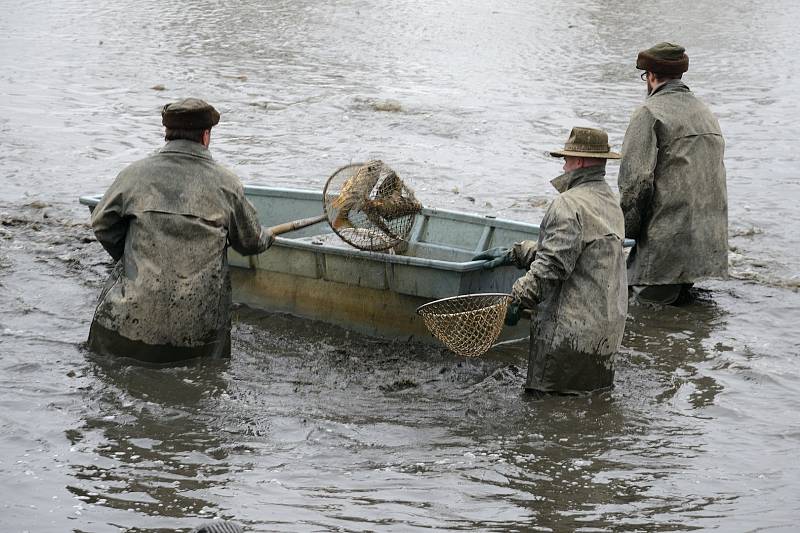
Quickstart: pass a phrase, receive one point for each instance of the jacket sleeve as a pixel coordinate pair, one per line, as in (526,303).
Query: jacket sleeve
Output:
(109,223)
(636,171)
(245,234)
(523,253)
(560,245)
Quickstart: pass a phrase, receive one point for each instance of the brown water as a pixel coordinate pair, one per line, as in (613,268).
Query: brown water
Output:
(309,428)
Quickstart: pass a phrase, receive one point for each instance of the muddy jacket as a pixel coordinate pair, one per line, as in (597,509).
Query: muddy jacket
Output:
(576,284)
(168,220)
(673,192)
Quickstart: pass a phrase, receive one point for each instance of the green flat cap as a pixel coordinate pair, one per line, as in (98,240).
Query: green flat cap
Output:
(587,142)
(189,114)
(663,58)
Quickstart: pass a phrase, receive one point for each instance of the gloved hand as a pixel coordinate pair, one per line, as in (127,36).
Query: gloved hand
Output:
(267,237)
(495,257)
(513,313)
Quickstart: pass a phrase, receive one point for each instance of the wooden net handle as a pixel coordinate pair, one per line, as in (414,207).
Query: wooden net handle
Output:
(296,224)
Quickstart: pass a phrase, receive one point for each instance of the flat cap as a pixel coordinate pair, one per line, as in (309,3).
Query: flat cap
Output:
(189,114)
(663,58)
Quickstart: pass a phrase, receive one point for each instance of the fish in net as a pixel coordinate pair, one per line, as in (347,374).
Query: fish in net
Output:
(369,206)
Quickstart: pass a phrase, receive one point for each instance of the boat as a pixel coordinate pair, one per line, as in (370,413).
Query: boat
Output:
(313,274)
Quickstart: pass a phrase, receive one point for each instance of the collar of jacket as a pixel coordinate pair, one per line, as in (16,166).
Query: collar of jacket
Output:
(568,180)
(182,146)
(671,86)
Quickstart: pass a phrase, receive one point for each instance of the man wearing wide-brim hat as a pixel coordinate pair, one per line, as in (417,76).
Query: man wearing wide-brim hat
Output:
(167,221)
(575,280)
(672,185)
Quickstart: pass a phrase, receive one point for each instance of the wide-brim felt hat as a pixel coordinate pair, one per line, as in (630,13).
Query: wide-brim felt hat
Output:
(663,58)
(189,114)
(587,142)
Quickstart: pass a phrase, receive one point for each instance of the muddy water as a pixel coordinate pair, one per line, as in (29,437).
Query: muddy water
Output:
(309,428)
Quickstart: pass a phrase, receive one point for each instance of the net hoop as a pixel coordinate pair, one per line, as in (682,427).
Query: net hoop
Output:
(378,218)
(468,324)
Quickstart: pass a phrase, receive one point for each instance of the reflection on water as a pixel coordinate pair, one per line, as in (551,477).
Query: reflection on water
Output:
(673,341)
(131,470)
(308,426)
(311,428)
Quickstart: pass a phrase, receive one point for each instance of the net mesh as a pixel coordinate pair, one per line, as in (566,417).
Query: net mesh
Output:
(468,325)
(369,206)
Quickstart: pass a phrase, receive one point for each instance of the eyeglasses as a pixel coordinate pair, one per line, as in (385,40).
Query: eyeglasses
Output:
(643,75)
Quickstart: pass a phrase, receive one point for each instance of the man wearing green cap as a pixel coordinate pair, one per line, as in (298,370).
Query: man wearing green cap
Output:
(576,275)
(167,221)
(672,185)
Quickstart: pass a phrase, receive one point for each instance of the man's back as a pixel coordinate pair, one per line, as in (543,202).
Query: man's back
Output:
(673,190)
(168,219)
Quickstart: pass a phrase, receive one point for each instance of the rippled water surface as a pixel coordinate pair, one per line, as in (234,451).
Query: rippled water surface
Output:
(311,428)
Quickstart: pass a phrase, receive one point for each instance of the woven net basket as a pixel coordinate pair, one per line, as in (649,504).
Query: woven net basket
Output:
(368,206)
(469,324)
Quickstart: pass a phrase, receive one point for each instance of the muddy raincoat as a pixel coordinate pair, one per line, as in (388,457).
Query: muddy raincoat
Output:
(167,220)
(576,284)
(672,190)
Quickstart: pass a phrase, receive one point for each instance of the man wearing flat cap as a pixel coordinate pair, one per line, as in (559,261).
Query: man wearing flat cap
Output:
(575,278)
(672,185)
(167,221)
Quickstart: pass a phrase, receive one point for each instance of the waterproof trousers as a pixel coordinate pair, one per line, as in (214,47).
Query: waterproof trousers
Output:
(567,371)
(107,342)
(673,294)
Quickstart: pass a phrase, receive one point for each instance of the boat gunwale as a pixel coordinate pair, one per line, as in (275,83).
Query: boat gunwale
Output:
(307,194)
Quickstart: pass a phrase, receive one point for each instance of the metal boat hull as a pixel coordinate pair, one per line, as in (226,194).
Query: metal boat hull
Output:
(313,274)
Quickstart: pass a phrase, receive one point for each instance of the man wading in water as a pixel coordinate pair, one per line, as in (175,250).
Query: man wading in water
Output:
(672,185)
(167,221)
(576,275)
